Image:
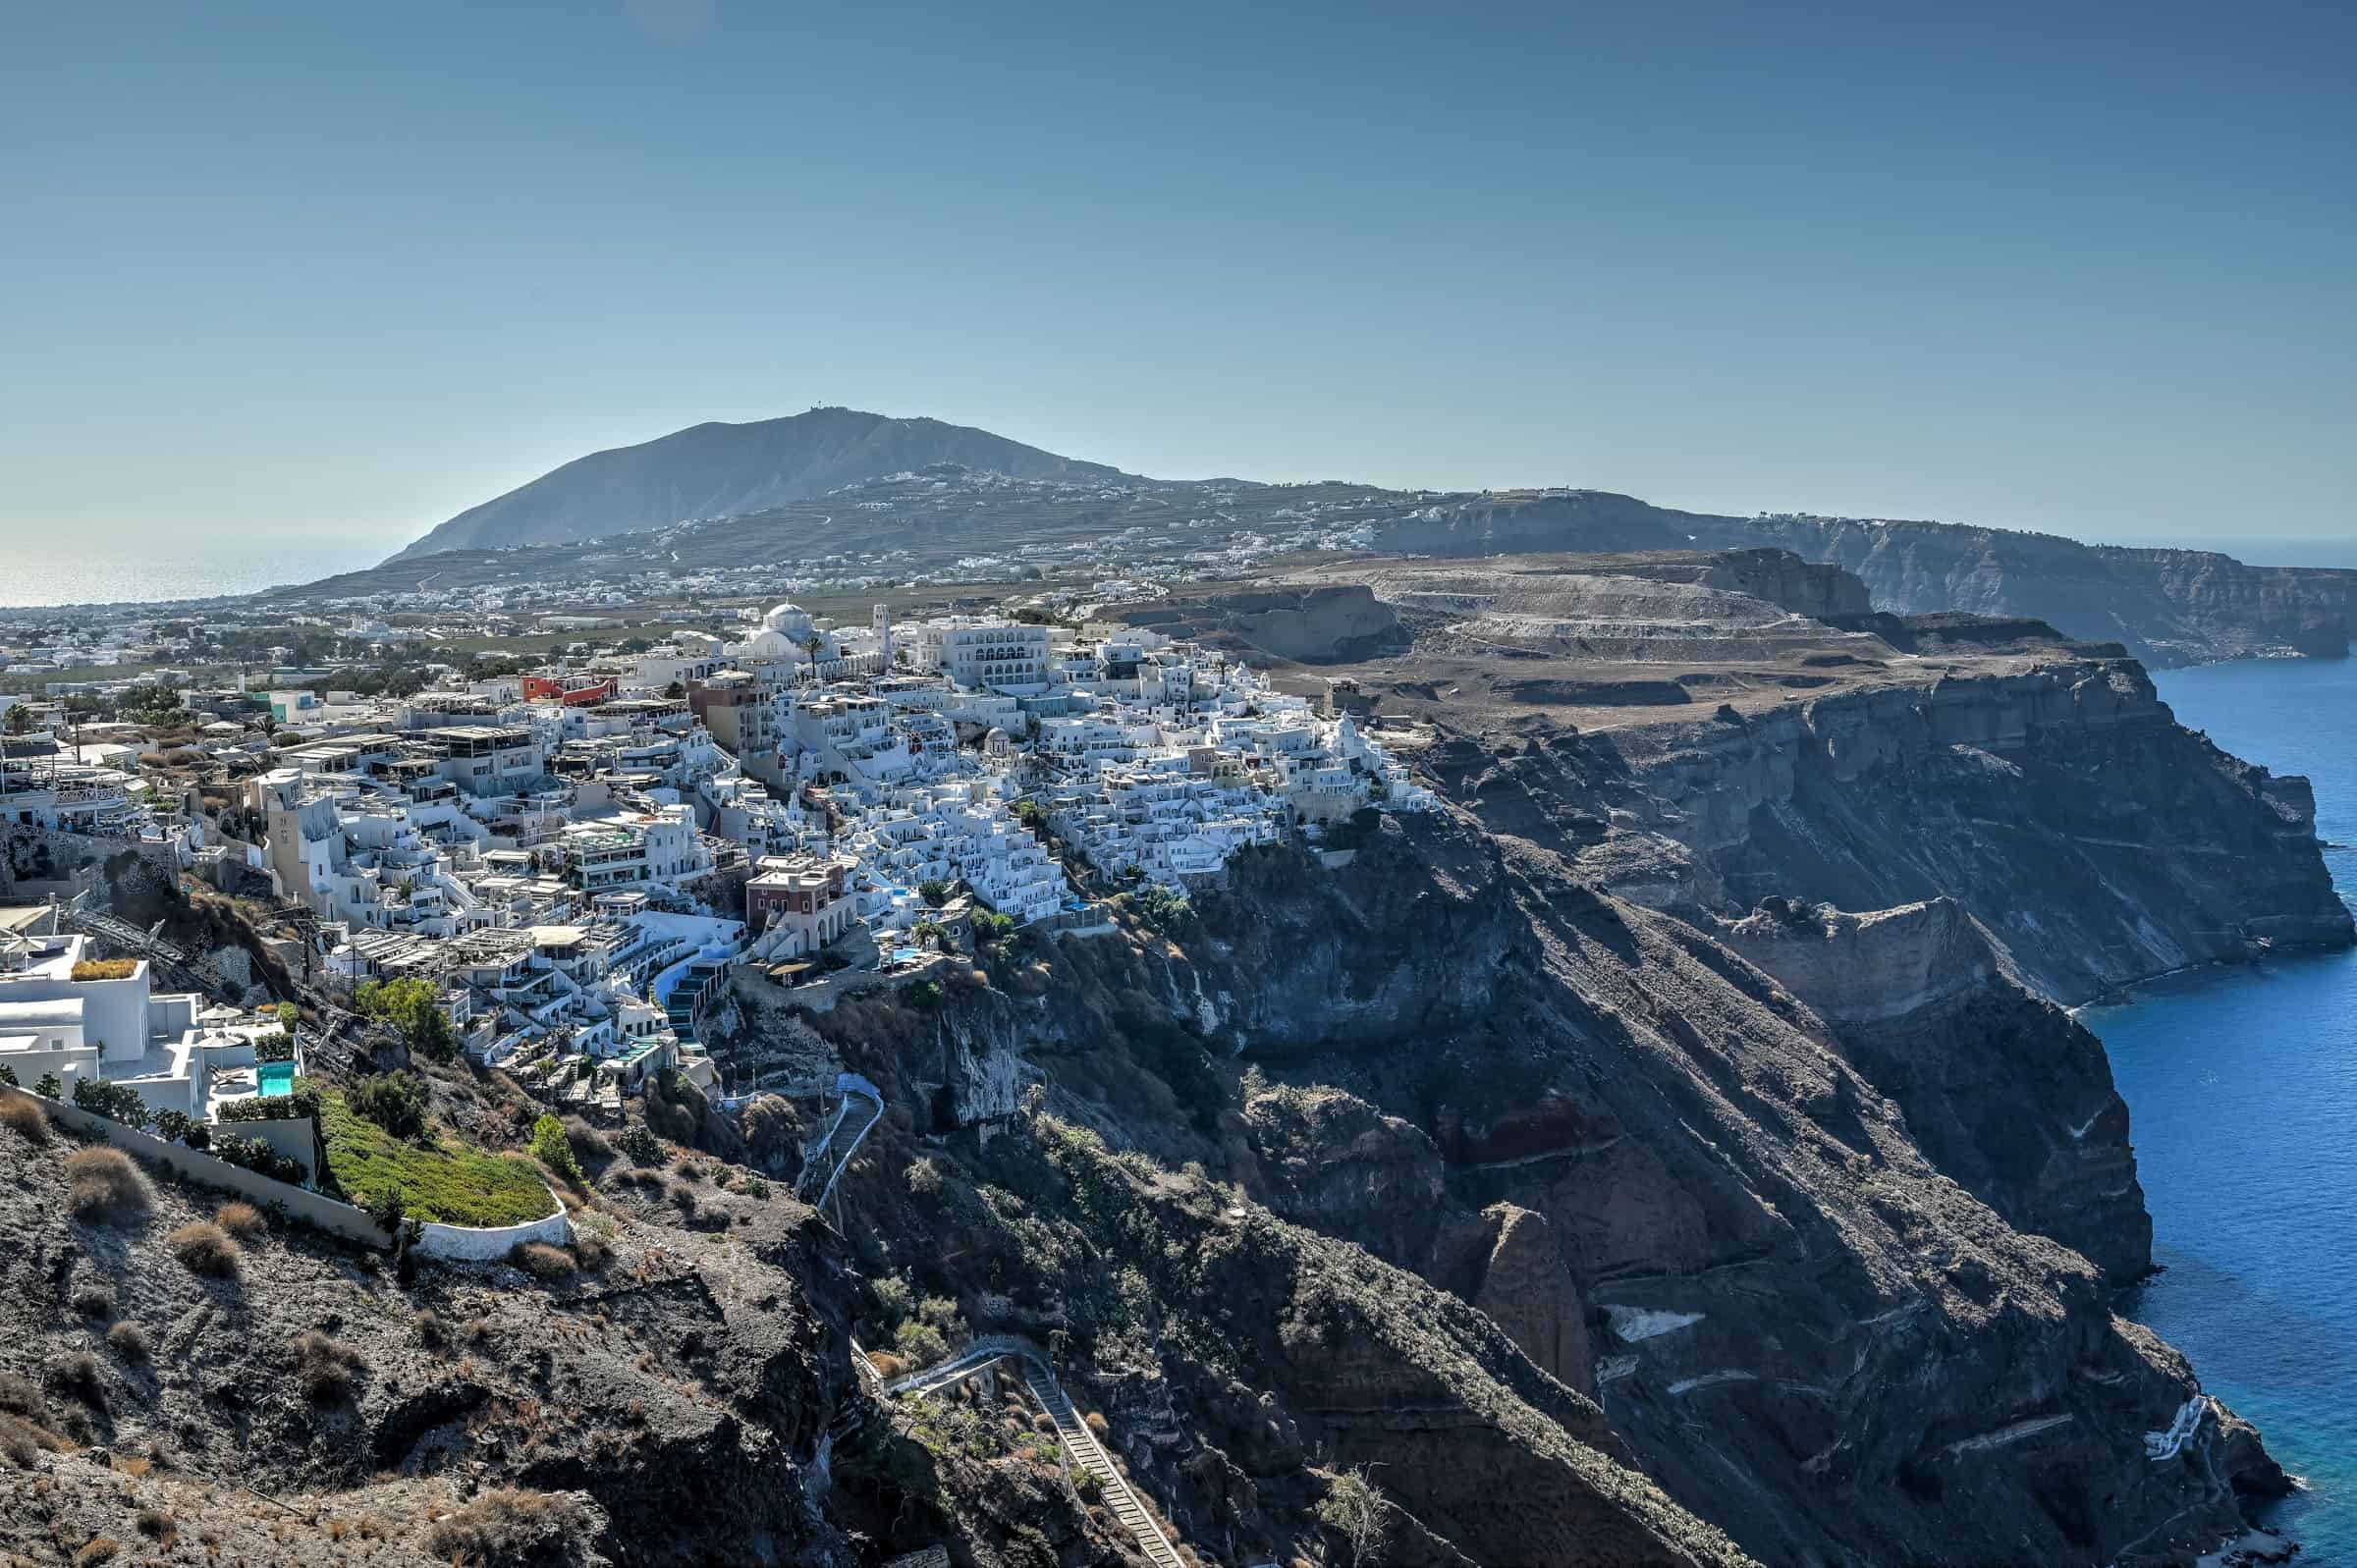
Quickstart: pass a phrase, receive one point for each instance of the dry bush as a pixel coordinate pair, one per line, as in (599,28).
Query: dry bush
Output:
(542,1261)
(94,1301)
(1043,1421)
(22,1442)
(589,1145)
(21,1113)
(591,1250)
(19,1397)
(508,1525)
(157,1526)
(682,1198)
(429,1328)
(204,1248)
(1096,1422)
(130,1340)
(76,1373)
(105,1186)
(478,1330)
(325,1369)
(102,1549)
(888,1366)
(240,1220)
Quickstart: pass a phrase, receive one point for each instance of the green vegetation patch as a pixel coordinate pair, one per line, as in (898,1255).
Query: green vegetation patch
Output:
(440,1179)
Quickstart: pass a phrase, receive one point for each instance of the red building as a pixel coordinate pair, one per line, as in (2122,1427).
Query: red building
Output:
(573,691)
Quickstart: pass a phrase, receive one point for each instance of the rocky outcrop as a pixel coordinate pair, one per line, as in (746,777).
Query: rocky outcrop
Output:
(2004,1091)
(1306,626)
(1803,1321)
(2059,803)
(2169,607)
(1520,1279)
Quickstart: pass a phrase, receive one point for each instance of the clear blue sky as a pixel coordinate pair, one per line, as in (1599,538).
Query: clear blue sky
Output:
(341,270)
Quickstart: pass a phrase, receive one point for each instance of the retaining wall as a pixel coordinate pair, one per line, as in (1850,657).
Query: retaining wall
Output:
(460,1244)
(452,1243)
(312,1208)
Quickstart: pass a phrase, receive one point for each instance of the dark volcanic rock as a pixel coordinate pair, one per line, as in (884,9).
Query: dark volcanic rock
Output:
(2003,1091)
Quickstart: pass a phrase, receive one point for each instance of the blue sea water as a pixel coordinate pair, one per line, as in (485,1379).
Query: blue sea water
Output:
(2242,1088)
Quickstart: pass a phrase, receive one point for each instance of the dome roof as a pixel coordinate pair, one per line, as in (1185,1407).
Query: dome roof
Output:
(792,620)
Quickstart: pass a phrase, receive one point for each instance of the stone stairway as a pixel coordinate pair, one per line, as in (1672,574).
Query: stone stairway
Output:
(1086,1452)
(827,1157)
(1080,1446)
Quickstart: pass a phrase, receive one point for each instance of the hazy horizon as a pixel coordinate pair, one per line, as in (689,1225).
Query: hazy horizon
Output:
(291,274)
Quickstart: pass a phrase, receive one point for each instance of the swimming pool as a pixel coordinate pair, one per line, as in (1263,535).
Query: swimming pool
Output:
(274,1078)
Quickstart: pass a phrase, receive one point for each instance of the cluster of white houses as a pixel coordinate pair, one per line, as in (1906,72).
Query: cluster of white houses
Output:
(573,856)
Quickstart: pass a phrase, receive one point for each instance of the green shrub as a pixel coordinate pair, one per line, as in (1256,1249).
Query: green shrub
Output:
(933,891)
(919,1344)
(553,1149)
(279,1047)
(412,1007)
(253,1154)
(301,1102)
(48,1087)
(440,1179)
(641,1146)
(113,1100)
(395,1101)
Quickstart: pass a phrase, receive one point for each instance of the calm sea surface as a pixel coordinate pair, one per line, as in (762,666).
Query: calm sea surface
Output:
(65,570)
(2243,1089)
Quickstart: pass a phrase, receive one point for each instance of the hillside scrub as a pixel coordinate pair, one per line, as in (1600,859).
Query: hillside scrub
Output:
(443,1181)
(105,1187)
(205,1249)
(22,1114)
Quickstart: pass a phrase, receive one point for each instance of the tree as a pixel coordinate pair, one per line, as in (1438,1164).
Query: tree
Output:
(928,932)
(19,719)
(1352,1508)
(48,1087)
(413,1008)
(934,892)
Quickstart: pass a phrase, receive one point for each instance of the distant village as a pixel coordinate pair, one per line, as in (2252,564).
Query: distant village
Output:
(573,849)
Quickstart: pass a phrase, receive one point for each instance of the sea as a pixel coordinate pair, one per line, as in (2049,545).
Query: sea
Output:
(2241,1086)
(46,572)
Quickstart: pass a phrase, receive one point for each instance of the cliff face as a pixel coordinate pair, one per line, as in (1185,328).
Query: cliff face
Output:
(2050,792)
(2169,607)
(2064,807)
(1806,1315)
(2004,1091)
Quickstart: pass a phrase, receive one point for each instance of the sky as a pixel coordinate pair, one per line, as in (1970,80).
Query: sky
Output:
(303,277)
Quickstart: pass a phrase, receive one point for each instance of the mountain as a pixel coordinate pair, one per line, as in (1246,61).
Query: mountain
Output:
(720,470)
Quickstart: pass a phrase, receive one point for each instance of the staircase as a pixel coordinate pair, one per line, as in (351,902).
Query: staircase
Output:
(679,1009)
(1085,1452)
(1080,1446)
(833,1152)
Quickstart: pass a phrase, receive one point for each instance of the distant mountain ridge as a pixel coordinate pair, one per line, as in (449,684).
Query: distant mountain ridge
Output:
(717,470)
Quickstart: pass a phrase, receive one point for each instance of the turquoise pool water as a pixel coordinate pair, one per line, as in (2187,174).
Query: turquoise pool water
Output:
(275,1078)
